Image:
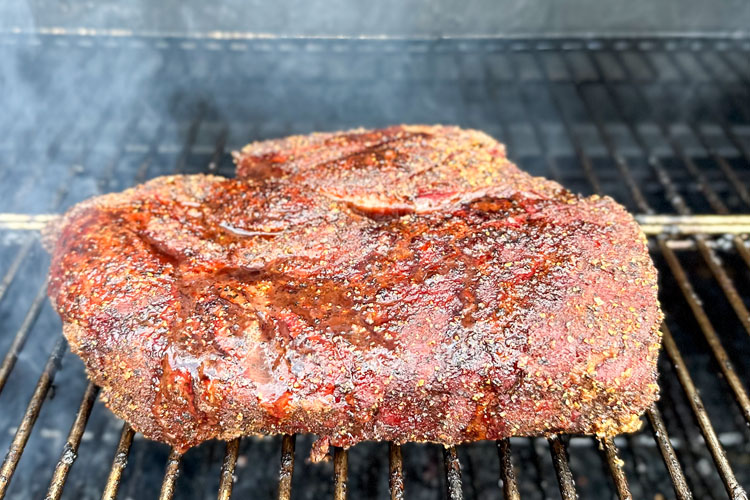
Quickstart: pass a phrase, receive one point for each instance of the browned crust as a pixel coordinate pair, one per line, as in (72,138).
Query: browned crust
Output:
(579,356)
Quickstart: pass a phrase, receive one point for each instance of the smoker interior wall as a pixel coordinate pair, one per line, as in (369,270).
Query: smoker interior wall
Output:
(389,17)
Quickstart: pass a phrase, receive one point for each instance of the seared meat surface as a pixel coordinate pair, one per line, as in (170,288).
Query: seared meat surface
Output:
(409,284)
(401,169)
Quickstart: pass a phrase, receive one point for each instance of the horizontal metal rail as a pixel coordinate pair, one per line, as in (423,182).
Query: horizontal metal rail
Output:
(651,224)
(30,222)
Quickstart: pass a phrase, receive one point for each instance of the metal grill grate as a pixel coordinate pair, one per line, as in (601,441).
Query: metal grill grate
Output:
(661,125)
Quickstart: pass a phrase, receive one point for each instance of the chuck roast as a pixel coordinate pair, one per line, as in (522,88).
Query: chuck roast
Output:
(406,284)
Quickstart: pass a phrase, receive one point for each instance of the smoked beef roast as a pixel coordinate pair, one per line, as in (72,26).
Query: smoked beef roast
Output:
(405,284)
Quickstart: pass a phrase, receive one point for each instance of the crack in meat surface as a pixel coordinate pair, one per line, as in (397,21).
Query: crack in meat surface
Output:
(405,284)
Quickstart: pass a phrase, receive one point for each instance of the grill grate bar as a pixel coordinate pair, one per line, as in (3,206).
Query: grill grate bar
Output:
(286,470)
(9,361)
(119,462)
(340,471)
(70,450)
(153,147)
(21,436)
(559,453)
(705,220)
(615,463)
(724,281)
(218,153)
(734,181)
(171,473)
(507,473)
(395,471)
(736,142)
(10,274)
(22,222)
(735,491)
(728,171)
(226,479)
(742,250)
(674,468)
(108,172)
(192,135)
(452,473)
